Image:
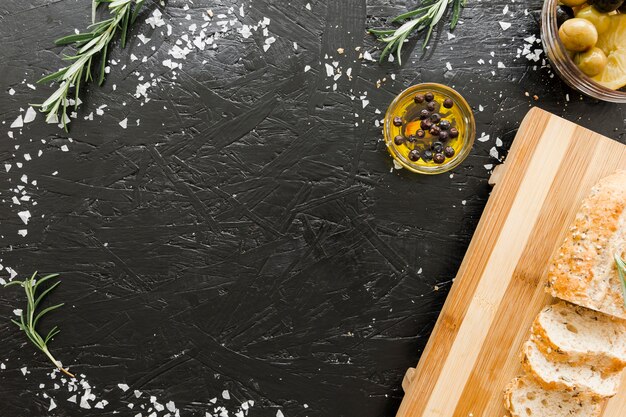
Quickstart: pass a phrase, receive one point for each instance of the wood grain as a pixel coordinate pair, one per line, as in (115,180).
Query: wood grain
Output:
(474,349)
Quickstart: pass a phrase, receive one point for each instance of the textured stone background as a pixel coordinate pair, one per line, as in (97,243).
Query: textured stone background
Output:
(256,238)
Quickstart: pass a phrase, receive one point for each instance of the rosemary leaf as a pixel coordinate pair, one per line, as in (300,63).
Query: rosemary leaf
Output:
(29,318)
(95,43)
(427,16)
(621,271)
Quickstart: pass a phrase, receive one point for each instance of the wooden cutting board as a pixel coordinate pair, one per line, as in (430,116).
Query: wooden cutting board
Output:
(473,351)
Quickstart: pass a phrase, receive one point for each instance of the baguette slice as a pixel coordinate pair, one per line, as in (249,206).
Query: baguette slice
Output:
(583,270)
(585,379)
(523,397)
(576,335)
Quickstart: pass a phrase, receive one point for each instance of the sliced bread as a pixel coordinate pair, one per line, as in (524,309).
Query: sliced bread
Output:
(524,397)
(583,269)
(577,335)
(585,379)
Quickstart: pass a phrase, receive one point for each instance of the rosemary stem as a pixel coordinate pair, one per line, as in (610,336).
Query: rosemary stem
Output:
(57,363)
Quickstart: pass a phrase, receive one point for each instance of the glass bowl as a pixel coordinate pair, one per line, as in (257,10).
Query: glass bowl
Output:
(463,120)
(564,65)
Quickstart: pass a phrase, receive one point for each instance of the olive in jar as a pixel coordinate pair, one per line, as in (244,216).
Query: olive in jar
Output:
(607,6)
(591,62)
(578,34)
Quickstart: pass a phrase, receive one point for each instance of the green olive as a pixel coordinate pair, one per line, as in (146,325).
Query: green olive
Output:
(591,62)
(600,20)
(573,3)
(578,34)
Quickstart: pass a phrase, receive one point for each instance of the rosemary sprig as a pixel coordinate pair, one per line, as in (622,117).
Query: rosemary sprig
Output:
(427,16)
(90,45)
(621,270)
(28,321)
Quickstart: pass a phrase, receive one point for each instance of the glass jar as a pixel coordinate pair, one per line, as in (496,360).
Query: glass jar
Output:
(564,65)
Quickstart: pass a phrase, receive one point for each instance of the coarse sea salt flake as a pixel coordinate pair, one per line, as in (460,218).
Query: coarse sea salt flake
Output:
(280,413)
(307,68)
(19,122)
(329,70)
(30,115)
(52,405)
(308,6)
(123,387)
(504,25)
(11,91)
(24,215)
(124,123)
(22,232)
(226,394)
(64,148)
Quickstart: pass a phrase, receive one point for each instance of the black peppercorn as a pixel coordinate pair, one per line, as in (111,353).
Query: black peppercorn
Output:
(435,130)
(414,155)
(430,106)
(448,151)
(427,155)
(444,136)
(424,114)
(438,158)
(435,117)
(444,124)
(429,96)
(437,147)
(454,132)
(448,103)
(399,140)
(426,124)
(420,133)
(397,121)
(419,98)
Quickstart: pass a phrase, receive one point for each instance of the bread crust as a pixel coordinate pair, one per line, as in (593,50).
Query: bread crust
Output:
(571,271)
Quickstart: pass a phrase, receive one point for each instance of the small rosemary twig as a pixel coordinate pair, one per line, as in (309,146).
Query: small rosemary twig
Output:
(28,321)
(621,271)
(90,45)
(427,16)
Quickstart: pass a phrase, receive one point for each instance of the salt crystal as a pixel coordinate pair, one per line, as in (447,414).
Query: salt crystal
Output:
(329,70)
(226,394)
(19,122)
(123,387)
(52,405)
(124,123)
(280,413)
(30,115)
(307,68)
(24,215)
(506,9)
(22,232)
(498,142)
(72,399)
(483,138)
(24,370)
(449,66)
(64,148)
(308,6)
(11,91)
(7,167)
(18,313)
(501,65)
(365,103)
(494,152)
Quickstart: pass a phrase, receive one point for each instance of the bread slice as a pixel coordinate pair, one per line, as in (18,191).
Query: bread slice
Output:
(576,335)
(584,379)
(583,270)
(524,397)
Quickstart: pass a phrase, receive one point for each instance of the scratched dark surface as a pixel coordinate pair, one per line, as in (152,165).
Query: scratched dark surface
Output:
(248,235)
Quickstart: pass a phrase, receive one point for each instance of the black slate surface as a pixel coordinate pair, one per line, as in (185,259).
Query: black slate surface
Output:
(249,234)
